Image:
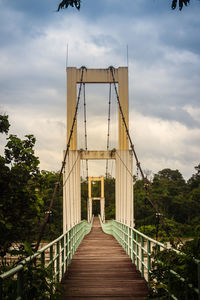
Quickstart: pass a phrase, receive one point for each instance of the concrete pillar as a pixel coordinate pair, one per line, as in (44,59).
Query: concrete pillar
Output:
(123,97)
(102,209)
(89,209)
(124,187)
(102,187)
(71,106)
(71,191)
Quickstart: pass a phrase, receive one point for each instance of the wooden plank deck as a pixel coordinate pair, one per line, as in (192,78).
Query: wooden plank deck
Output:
(101,270)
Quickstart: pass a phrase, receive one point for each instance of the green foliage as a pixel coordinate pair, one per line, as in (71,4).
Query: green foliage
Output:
(176,200)
(149,230)
(26,193)
(84,197)
(181,3)
(194,181)
(18,180)
(44,191)
(4,124)
(109,190)
(77,4)
(25,196)
(38,284)
(163,279)
(67,3)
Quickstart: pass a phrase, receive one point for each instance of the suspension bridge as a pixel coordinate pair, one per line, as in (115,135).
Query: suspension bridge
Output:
(94,258)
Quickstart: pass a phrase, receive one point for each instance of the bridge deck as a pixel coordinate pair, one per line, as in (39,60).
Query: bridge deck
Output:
(101,270)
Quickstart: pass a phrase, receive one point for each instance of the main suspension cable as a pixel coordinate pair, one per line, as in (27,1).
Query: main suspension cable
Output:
(126,127)
(108,134)
(45,221)
(85,126)
(146,182)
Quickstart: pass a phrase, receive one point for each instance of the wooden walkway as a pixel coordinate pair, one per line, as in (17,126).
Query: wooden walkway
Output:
(101,270)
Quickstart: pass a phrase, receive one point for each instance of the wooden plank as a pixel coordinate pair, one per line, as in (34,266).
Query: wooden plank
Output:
(101,270)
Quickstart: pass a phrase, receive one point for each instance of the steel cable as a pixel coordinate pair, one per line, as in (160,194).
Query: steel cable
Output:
(145,180)
(44,223)
(108,134)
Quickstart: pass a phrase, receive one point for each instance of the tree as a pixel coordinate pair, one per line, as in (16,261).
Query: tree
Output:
(169,190)
(183,265)
(109,186)
(194,181)
(180,3)
(19,206)
(4,124)
(77,4)
(44,191)
(66,3)
(194,200)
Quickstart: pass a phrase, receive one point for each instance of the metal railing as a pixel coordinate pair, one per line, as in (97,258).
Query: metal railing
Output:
(140,248)
(57,255)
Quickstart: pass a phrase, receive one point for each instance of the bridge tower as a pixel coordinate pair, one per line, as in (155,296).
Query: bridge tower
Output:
(123,155)
(101,198)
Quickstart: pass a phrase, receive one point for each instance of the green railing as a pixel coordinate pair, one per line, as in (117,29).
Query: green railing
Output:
(140,247)
(56,255)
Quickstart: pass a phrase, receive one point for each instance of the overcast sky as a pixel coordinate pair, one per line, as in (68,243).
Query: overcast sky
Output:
(164,75)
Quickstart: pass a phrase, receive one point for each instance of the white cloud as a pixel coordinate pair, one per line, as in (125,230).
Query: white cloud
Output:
(163,83)
(163,144)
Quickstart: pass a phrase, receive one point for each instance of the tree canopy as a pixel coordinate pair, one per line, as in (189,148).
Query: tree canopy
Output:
(4,124)
(26,193)
(77,4)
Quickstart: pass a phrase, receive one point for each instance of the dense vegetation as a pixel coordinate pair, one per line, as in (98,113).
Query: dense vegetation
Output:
(25,195)
(165,282)
(177,200)
(26,192)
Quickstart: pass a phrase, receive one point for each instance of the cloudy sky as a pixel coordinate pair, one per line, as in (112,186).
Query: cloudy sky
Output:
(164,75)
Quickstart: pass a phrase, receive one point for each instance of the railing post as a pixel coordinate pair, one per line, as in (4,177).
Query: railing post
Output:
(64,251)
(62,256)
(43,259)
(127,239)
(122,235)
(73,229)
(58,260)
(52,268)
(75,238)
(133,246)
(1,288)
(137,252)
(169,286)
(142,256)
(67,249)
(130,242)
(72,242)
(20,284)
(148,260)
(198,271)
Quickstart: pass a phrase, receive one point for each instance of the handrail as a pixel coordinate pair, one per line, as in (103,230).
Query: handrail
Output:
(139,247)
(57,255)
